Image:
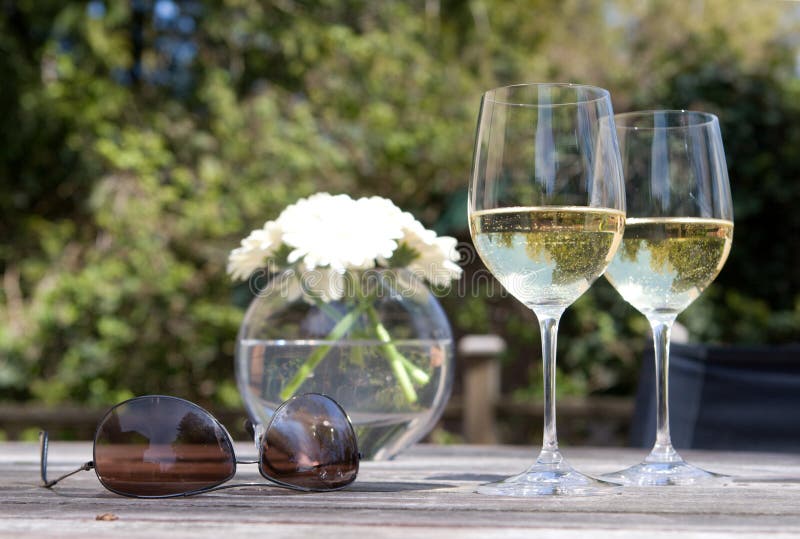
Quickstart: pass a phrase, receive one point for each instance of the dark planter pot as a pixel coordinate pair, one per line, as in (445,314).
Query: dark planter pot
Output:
(743,398)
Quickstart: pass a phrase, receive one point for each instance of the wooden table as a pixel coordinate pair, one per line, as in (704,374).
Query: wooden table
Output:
(426,492)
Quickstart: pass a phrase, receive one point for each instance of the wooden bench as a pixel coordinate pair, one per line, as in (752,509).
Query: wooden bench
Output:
(477,412)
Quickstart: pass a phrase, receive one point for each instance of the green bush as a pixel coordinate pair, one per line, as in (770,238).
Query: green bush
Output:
(125,177)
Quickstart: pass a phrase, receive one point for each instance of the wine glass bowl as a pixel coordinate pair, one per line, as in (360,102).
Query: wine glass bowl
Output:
(546,215)
(678,234)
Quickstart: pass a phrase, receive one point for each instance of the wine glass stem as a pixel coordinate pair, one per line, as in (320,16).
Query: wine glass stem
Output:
(549,330)
(662,450)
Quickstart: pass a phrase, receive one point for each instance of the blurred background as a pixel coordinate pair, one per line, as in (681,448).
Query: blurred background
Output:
(140,140)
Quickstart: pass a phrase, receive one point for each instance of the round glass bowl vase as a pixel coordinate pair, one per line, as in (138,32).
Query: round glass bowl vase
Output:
(383,351)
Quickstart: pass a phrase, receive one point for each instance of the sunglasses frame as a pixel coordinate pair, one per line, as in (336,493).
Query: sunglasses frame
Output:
(259,434)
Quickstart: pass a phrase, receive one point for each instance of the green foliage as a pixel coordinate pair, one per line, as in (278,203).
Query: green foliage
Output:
(121,194)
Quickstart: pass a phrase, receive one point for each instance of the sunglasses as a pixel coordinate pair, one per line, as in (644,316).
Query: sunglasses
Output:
(158,446)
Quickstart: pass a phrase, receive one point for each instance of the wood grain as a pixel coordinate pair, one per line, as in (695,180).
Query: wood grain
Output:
(426,492)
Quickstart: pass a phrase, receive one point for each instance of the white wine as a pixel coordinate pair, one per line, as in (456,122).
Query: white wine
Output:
(665,263)
(547,257)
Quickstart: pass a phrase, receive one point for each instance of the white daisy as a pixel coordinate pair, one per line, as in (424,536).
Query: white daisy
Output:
(324,284)
(254,251)
(437,256)
(339,232)
(327,235)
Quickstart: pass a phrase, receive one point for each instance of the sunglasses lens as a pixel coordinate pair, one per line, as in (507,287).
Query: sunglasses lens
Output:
(161,446)
(310,444)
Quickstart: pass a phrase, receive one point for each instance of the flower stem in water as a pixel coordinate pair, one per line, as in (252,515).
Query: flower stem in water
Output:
(338,331)
(397,361)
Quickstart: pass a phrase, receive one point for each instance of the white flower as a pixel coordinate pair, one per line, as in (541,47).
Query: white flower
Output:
(320,284)
(254,251)
(339,232)
(327,235)
(324,284)
(437,256)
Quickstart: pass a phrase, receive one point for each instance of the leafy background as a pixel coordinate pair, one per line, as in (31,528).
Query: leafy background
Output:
(140,140)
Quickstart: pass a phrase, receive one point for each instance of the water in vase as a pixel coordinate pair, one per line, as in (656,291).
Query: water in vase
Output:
(387,413)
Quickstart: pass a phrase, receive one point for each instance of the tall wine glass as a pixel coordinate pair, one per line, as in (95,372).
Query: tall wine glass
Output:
(678,234)
(546,213)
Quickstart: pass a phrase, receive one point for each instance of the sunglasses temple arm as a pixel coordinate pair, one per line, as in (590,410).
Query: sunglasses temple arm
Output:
(43,443)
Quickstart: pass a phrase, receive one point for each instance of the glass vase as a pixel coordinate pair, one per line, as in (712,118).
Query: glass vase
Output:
(383,349)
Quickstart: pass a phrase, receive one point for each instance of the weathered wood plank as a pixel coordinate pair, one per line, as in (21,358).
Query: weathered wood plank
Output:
(426,492)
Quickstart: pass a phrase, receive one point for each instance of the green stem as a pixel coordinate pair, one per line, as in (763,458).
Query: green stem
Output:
(397,361)
(419,376)
(320,352)
(329,311)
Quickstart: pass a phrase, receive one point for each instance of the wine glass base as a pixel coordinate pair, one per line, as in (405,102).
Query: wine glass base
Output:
(658,474)
(549,480)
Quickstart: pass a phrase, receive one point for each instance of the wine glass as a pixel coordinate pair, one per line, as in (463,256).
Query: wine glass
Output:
(546,214)
(678,233)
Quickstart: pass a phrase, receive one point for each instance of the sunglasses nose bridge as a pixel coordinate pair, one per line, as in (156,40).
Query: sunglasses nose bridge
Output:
(259,431)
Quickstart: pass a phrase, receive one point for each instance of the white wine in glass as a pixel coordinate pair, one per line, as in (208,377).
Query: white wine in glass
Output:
(665,263)
(546,214)
(547,256)
(678,234)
